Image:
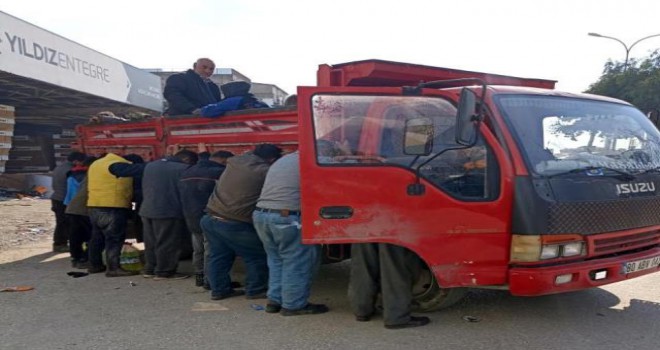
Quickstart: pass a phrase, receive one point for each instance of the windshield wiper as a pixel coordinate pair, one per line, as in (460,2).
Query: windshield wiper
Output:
(624,175)
(652,170)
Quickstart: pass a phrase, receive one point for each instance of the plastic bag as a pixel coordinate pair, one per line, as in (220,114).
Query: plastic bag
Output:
(129,259)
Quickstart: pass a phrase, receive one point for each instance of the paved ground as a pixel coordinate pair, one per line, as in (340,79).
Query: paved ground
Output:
(96,312)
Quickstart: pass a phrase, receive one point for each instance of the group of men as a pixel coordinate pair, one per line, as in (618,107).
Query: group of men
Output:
(248,206)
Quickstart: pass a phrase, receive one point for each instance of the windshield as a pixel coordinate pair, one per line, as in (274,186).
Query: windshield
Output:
(560,134)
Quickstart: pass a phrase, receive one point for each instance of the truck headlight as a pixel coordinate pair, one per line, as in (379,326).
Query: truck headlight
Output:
(532,248)
(549,252)
(572,249)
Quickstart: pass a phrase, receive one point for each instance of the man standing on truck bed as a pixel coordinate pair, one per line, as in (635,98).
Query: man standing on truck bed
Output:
(188,92)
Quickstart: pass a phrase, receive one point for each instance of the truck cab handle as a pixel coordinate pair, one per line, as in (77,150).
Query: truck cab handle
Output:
(336,212)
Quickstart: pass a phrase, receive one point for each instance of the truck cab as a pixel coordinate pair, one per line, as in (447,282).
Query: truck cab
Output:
(555,193)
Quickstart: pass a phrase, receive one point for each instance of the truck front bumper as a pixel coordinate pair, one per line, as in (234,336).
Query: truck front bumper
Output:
(532,281)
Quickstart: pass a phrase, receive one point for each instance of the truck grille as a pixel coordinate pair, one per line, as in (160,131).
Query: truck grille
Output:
(608,244)
(596,217)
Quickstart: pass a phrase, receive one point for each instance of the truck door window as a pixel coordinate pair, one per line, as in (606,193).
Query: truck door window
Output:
(359,130)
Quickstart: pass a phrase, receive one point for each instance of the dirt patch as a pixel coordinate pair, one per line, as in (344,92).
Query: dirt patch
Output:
(24,221)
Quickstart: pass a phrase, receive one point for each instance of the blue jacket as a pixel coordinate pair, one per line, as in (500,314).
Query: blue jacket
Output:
(195,187)
(73,181)
(232,104)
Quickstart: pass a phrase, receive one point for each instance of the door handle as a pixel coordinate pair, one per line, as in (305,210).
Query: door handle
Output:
(338,212)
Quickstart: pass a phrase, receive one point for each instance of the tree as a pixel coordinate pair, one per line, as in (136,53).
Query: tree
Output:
(639,84)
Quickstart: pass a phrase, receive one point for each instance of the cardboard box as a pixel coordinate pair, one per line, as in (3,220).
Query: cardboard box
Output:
(6,111)
(7,124)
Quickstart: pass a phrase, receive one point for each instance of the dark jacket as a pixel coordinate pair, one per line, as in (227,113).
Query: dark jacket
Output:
(59,181)
(160,189)
(237,191)
(195,187)
(187,91)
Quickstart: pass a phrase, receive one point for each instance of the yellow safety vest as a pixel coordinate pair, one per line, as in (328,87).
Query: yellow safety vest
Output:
(105,189)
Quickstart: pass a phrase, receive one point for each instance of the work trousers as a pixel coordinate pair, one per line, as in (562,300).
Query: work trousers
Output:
(227,239)
(80,232)
(199,252)
(386,268)
(61,234)
(291,264)
(109,232)
(162,245)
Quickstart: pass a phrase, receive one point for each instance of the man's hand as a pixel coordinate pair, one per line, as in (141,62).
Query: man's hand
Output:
(201,147)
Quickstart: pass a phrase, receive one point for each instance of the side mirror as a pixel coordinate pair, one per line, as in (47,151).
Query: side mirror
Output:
(418,137)
(467,118)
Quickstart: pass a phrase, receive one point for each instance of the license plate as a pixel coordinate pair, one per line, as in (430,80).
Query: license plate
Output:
(641,265)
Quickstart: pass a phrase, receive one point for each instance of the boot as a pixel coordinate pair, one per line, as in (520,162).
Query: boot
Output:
(199,280)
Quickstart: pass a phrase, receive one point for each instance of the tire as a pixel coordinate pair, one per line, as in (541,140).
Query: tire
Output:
(429,297)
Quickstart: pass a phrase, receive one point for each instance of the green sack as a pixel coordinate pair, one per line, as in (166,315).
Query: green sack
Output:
(129,259)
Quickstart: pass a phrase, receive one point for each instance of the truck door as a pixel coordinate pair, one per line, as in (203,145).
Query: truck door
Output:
(356,176)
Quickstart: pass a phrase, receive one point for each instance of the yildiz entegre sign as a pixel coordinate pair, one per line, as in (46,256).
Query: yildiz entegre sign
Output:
(32,52)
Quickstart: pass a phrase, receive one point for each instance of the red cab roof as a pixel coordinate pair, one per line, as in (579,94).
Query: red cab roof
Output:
(388,73)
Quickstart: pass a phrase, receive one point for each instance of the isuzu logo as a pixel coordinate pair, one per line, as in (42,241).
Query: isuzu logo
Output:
(637,187)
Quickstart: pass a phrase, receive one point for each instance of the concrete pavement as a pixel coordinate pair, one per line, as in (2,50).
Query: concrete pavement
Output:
(95,312)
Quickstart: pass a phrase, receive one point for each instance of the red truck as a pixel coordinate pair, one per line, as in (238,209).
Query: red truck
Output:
(493,181)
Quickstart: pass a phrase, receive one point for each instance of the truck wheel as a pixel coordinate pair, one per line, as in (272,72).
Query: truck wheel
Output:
(428,296)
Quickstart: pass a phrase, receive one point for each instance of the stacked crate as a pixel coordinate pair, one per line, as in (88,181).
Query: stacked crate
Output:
(30,154)
(62,145)
(7,122)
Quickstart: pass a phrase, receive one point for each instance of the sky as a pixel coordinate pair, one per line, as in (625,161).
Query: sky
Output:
(282,42)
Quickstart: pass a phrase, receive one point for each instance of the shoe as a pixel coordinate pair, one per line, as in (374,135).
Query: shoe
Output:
(147,274)
(236,284)
(273,307)
(174,276)
(261,295)
(363,318)
(199,280)
(120,273)
(310,309)
(207,285)
(96,269)
(83,265)
(234,293)
(413,322)
(60,248)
